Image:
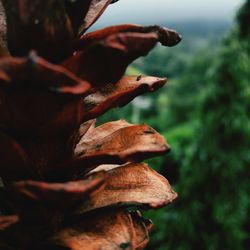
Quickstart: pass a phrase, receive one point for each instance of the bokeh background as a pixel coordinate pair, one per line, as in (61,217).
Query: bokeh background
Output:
(204,113)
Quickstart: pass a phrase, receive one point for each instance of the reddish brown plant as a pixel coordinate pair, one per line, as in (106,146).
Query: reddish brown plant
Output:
(66,183)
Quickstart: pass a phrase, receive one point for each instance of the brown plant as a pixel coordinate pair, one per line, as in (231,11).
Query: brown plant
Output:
(67,184)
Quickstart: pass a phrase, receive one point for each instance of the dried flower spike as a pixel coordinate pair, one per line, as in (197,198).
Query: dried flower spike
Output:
(66,183)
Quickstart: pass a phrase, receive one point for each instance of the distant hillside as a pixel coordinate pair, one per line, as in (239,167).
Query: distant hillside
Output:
(193,28)
(200,28)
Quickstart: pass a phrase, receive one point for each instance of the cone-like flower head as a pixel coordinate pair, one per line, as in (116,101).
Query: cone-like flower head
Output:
(67,183)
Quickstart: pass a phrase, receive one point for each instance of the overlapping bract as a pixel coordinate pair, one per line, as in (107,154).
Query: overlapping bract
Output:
(68,183)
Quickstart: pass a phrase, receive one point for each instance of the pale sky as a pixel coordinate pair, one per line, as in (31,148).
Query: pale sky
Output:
(148,11)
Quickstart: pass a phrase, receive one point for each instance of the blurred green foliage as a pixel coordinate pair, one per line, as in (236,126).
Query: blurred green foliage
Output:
(204,114)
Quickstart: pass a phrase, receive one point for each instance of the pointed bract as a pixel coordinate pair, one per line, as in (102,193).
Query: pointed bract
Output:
(106,61)
(33,72)
(96,9)
(60,193)
(128,142)
(119,94)
(114,143)
(77,11)
(131,185)
(167,37)
(40,25)
(108,229)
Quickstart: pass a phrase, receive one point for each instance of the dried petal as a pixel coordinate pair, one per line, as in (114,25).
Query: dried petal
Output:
(114,143)
(167,37)
(7,221)
(95,134)
(126,141)
(77,10)
(119,94)
(96,9)
(109,51)
(40,25)
(108,229)
(33,72)
(131,185)
(84,128)
(106,61)
(60,193)
(78,134)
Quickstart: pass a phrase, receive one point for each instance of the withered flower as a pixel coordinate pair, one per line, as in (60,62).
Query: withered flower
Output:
(68,184)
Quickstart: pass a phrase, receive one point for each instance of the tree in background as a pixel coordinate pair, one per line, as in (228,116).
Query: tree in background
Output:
(214,204)
(243,20)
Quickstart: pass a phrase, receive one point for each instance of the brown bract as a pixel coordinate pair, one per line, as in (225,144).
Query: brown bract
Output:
(107,229)
(119,94)
(40,25)
(83,13)
(33,72)
(122,139)
(106,61)
(131,185)
(104,55)
(167,37)
(77,10)
(60,193)
(115,142)
(49,27)
(96,9)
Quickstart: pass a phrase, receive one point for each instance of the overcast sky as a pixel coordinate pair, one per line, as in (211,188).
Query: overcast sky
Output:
(148,11)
